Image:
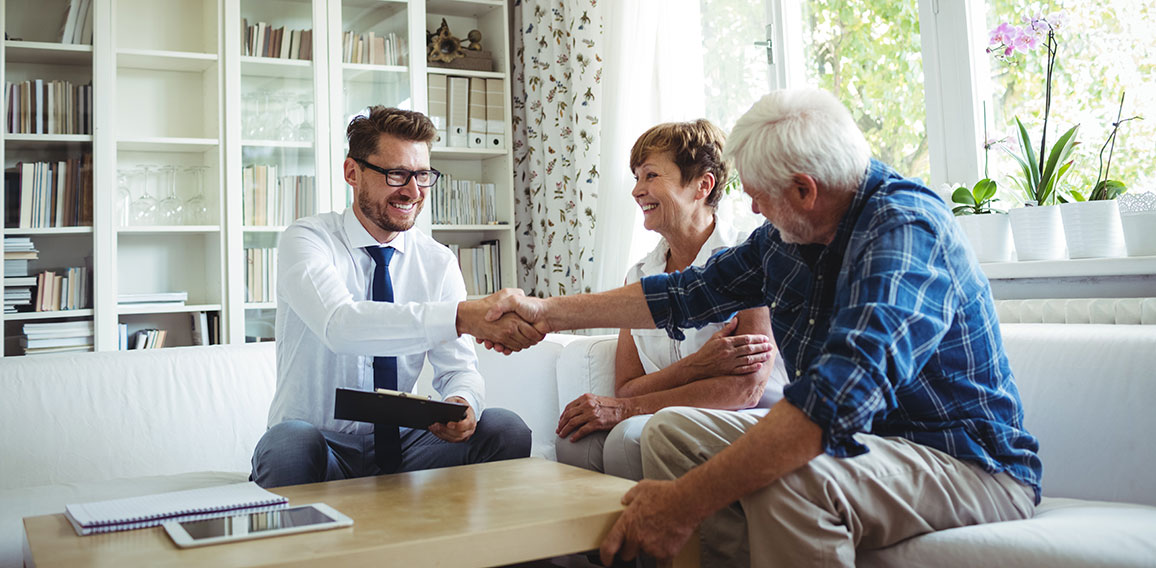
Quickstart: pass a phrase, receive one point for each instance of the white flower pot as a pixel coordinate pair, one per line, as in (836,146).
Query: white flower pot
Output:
(1139,232)
(1038,233)
(1092,229)
(990,236)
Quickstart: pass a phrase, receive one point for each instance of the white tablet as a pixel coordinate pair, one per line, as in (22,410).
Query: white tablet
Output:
(303,518)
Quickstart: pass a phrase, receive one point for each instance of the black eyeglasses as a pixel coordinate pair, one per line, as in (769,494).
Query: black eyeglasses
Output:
(397,177)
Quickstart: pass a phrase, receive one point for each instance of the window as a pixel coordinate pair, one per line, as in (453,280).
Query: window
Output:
(915,75)
(867,53)
(1105,49)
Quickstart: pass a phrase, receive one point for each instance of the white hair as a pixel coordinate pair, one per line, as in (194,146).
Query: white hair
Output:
(792,131)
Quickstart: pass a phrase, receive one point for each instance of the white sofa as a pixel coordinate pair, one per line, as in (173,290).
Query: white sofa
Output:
(87,427)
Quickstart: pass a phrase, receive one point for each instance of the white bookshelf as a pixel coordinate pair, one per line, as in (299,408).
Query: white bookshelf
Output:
(172,87)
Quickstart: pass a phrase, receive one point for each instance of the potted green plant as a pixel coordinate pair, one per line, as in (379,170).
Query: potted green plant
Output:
(1092,224)
(988,230)
(1037,227)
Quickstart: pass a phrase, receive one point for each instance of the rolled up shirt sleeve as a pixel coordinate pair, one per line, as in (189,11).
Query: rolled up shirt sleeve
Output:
(898,305)
(730,281)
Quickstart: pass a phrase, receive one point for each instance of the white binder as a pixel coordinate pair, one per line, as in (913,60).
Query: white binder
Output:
(495,114)
(459,91)
(477,121)
(437,108)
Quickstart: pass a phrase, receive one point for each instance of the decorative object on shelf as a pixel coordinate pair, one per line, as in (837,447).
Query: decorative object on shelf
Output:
(1042,172)
(1138,218)
(475,39)
(1038,233)
(1092,229)
(988,231)
(990,236)
(1037,228)
(443,45)
(446,50)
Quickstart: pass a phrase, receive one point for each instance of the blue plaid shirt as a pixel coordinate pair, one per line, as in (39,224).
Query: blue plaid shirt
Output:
(890,329)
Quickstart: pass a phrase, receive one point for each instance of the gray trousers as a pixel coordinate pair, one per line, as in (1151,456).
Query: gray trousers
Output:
(295,452)
(819,514)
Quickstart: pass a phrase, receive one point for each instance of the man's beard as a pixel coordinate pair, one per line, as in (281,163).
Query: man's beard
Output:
(379,214)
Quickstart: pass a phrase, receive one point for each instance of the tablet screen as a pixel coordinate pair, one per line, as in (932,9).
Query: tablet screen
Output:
(255,523)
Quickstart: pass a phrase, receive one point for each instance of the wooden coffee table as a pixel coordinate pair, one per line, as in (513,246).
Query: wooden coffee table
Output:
(476,515)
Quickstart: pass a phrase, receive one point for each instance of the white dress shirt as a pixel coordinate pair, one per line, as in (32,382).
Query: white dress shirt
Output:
(329,330)
(656,349)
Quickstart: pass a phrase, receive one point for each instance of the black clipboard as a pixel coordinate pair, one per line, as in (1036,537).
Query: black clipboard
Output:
(392,407)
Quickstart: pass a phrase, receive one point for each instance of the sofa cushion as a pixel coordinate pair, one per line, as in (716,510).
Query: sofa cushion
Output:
(1087,392)
(1065,533)
(15,504)
(110,415)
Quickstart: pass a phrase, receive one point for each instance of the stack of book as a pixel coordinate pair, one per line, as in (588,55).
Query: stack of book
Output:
(18,252)
(66,289)
(481,267)
(260,274)
(40,106)
(144,339)
(49,194)
(373,49)
(463,202)
(57,337)
(270,200)
(263,40)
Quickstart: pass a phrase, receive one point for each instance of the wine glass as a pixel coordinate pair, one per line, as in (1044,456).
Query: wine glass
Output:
(305,125)
(123,197)
(286,129)
(170,210)
(144,208)
(197,208)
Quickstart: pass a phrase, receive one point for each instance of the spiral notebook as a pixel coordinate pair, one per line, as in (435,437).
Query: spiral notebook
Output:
(189,505)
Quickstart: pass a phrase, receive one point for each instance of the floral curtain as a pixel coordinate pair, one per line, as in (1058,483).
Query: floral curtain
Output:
(557,89)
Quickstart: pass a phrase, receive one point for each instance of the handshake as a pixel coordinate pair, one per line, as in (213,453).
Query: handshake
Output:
(506,321)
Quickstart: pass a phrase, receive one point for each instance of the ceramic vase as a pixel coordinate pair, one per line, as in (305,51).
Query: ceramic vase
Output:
(1092,229)
(1139,232)
(990,236)
(1038,233)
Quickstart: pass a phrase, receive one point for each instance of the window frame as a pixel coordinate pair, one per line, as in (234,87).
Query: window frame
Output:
(952,38)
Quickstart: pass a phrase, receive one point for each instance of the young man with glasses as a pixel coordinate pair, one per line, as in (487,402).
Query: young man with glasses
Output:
(362,300)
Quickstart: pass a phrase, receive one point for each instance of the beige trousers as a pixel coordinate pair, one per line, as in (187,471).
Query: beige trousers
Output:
(819,514)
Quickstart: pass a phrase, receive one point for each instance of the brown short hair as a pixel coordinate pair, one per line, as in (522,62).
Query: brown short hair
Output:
(364,131)
(696,147)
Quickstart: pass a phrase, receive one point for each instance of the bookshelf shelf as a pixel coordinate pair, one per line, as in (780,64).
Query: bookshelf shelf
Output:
(275,68)
(45,53)
(465,153)
(23,142)
(161,60)
(503,227)
(463,8)
(365,73)
(277,144)
(168,144)
(260,305)
(168,230)
(34,316)
(263,229)
(138,309)
(48,232)
(466,73)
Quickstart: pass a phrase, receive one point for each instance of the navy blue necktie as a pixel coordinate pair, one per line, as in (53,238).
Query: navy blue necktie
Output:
(386,438)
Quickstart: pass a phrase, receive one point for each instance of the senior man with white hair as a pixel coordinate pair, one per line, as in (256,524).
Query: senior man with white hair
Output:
(902,416)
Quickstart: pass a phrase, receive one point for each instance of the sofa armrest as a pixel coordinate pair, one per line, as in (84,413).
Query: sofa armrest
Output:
(586,365)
